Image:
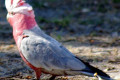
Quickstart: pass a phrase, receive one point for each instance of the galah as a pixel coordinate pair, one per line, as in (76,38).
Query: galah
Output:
(41,52)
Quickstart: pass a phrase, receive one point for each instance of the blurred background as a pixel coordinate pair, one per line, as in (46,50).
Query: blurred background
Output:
(71,17)
(83,26)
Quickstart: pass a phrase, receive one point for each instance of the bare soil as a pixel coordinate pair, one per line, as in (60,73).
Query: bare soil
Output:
(105,58)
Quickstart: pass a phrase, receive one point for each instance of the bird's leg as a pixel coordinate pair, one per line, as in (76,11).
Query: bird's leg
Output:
(53,77)
(38,73)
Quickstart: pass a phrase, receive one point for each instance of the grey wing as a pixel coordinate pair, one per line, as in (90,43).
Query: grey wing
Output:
(49,55)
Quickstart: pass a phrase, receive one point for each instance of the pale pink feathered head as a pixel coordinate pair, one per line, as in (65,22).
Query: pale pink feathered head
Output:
(17,6)
(20,16)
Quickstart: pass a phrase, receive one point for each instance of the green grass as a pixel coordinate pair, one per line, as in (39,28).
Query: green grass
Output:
(37,4)
(87,22)
(41,4)
(59,37)
(41,20)
(116,1)
(64,22)
(101,8)
(91,21)
(61,22)
(50,0)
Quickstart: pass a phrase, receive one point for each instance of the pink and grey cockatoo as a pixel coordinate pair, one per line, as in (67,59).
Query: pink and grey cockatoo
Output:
(41,52)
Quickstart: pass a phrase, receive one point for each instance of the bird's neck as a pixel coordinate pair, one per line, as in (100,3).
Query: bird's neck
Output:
(21,22)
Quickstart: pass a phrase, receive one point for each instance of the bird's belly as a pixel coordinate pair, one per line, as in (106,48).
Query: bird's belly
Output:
(28,63)
(62,72)
(54,72)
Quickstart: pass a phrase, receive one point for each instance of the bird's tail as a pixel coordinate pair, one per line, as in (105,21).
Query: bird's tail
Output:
(92,71)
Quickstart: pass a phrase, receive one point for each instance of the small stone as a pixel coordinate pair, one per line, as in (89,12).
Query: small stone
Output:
(117,77)
(115,34)
(85,10)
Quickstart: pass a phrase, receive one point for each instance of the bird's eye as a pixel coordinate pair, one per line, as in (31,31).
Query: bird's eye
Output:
(12,13)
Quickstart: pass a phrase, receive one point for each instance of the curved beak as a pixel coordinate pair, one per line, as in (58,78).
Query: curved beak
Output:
(7,16)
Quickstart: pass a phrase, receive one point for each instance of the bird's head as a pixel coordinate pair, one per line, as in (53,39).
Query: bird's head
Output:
(20,13)
(17,7)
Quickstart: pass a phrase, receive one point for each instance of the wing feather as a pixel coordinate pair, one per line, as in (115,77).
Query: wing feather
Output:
(48,54)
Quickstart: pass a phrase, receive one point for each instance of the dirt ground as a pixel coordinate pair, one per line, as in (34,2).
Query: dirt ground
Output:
(94,50)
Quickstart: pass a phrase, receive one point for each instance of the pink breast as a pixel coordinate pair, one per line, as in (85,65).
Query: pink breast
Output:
(29,64)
